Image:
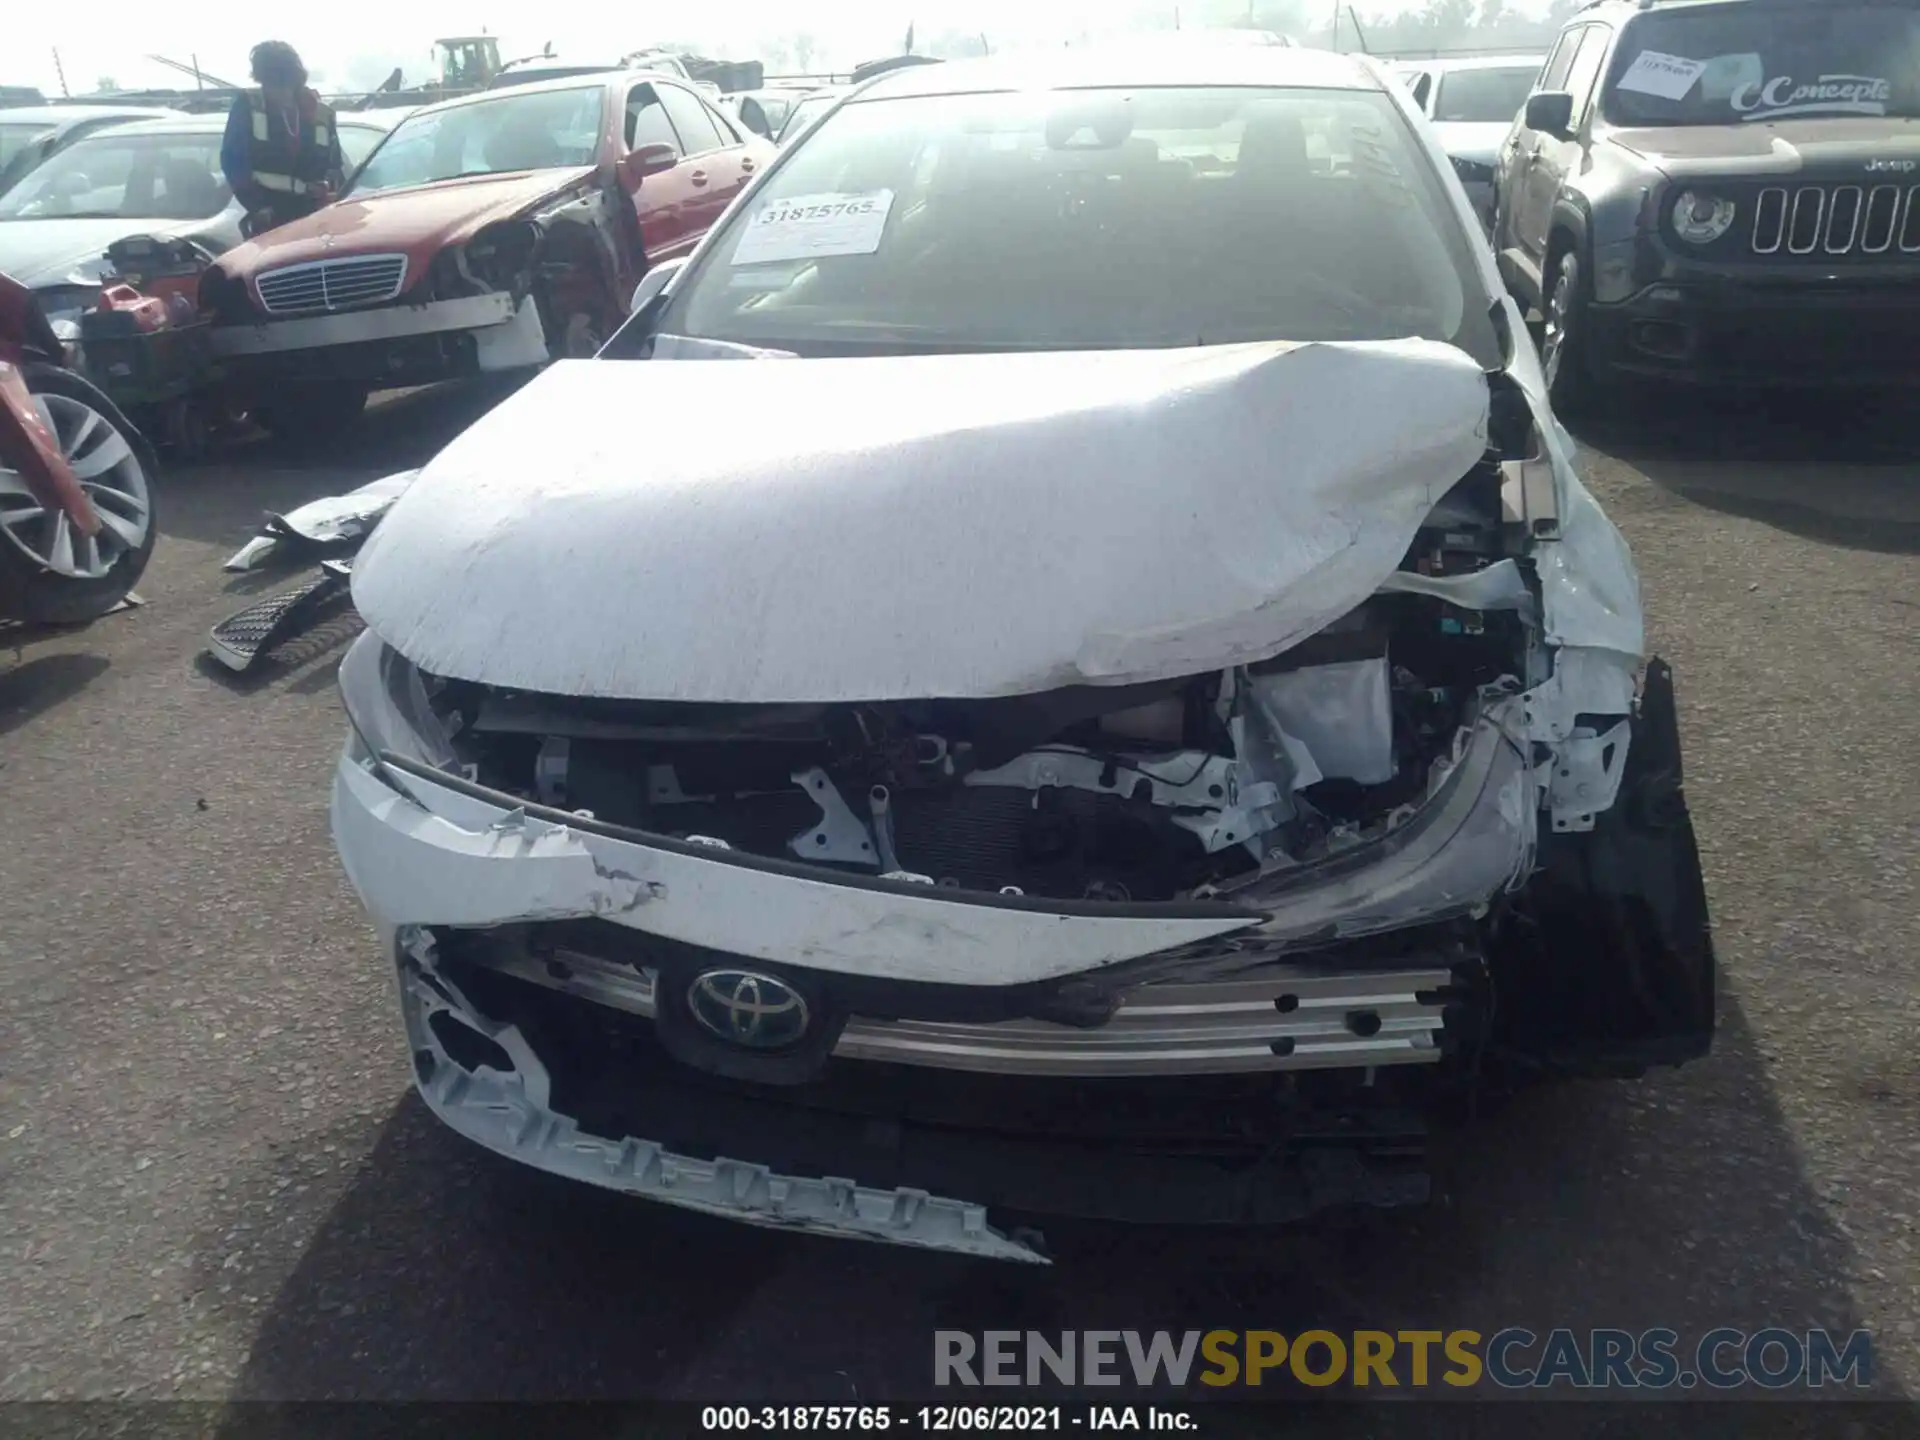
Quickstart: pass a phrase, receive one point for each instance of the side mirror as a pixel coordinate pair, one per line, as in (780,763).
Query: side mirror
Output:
(1551,113)
(654,282)
(653,159)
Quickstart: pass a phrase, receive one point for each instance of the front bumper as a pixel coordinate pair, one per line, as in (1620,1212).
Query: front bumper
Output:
(1785,330)
(568,1087)
(393,344)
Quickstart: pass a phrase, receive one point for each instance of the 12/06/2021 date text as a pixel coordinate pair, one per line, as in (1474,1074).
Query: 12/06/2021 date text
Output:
(944,1419)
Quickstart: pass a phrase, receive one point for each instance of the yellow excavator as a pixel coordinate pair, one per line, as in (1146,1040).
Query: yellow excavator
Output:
(467,62)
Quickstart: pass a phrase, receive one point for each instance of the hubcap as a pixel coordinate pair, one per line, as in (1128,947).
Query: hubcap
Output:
(108,471)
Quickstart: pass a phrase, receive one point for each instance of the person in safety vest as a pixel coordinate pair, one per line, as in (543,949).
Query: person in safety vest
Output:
(281,153)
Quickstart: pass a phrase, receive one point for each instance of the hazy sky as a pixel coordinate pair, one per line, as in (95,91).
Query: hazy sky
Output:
(354,42)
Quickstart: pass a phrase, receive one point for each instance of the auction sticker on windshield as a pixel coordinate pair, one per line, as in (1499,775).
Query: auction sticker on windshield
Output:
(1668,76)
(814,227)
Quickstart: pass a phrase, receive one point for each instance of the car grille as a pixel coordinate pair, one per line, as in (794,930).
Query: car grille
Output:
(1837,220)
(1287,1018)
(332,284)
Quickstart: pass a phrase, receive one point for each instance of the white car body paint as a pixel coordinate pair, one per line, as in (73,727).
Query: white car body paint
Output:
(958,525)
(436,856)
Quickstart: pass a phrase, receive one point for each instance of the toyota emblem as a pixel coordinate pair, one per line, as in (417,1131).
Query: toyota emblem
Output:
(748,1008)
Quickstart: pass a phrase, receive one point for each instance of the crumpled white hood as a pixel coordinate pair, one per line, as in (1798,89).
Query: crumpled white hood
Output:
(959,526)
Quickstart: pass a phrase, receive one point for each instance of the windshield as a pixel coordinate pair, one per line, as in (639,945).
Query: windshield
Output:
(804,114)
(118,176)
(1092,219)
(1487,96)
(543,130)
(774,109)
(1742,63)
(357,142)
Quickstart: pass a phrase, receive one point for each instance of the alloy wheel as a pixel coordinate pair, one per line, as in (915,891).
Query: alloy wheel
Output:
(1553,344)
(113,478)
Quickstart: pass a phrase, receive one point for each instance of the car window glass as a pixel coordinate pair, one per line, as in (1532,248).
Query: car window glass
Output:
(14,138)
(1554,76)
(1586,68)
(690,119)
(1483,96)
(804,114)
(1741,64)
(513,131)
(162,177)
(647,122)
(776,108)
(356,143)
(729,133)
(1035,220)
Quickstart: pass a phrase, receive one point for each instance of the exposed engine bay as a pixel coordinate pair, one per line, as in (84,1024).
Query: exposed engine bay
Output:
(1106,793)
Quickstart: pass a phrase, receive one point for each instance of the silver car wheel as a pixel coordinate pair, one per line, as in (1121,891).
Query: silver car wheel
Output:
(113,478)
(1559,304)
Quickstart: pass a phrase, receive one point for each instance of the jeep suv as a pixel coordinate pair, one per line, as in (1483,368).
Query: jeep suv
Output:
(1721,190)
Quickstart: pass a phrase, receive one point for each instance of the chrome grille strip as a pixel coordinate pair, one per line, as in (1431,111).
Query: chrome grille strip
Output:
(1910,225)
(332,284)
(1847,200)
(1769,235)
(1288,1019)
(1800,198)
(1891,195)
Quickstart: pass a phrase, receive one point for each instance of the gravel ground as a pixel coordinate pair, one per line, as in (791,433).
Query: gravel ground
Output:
(214,1181)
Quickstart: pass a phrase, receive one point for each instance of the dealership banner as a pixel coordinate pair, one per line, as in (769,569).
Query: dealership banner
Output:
(1772,1360)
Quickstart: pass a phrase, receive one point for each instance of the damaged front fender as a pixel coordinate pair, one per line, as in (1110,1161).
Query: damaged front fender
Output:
(1607,964)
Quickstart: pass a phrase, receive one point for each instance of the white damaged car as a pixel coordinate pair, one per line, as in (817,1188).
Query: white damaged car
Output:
(1111,705)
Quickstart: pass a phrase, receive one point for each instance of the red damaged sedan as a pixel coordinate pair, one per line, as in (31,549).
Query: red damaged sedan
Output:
(485,234)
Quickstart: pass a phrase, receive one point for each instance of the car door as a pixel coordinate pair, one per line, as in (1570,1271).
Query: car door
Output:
(1560,156)
(749,151)
(1527,184)
(713,164)
(665,203)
